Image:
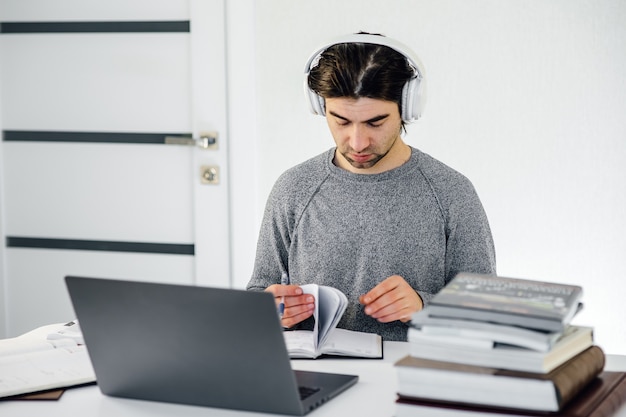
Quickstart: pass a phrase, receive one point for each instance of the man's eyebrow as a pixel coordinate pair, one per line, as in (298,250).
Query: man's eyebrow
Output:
(338,116)
(372,120)
(377,118)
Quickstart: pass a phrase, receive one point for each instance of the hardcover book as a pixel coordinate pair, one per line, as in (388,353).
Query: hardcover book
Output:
(491,333)
(484,353)
(466,384)
(520,302)
(603,397)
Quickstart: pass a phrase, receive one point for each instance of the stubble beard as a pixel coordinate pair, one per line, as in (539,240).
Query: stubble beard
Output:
(371,162)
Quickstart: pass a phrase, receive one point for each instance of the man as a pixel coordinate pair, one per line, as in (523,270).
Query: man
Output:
(383,222)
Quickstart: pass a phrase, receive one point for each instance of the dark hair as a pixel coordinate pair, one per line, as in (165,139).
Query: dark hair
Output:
(358,70)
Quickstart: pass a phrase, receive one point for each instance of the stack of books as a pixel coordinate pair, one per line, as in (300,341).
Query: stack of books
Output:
(507,346)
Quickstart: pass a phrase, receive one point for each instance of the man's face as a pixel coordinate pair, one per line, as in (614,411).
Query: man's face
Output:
(367,134)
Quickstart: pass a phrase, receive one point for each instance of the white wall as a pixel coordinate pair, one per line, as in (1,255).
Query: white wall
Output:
(243,142)
(526,97)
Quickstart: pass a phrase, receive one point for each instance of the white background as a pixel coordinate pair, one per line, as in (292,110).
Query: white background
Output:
(526,97)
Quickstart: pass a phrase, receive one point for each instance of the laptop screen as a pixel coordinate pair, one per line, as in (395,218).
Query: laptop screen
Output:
(187,344)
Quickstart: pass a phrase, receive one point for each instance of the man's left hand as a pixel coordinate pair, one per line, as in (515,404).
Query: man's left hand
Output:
(393,299)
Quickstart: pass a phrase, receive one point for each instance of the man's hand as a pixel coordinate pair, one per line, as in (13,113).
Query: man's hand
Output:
(298,306)
(393,299)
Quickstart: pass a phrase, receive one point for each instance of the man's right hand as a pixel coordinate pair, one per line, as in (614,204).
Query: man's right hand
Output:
(298,306)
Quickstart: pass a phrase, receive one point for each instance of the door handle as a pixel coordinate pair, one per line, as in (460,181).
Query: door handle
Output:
(207,140)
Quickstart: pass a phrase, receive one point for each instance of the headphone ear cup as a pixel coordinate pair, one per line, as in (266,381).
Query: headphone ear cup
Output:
(413,99)
(407,102)
(319,103)
(316,102)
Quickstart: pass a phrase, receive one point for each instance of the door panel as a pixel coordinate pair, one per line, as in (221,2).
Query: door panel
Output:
(37,290)
(97,81)
(90,187)
(109,191)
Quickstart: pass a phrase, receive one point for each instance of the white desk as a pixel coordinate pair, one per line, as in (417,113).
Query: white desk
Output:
(374,395)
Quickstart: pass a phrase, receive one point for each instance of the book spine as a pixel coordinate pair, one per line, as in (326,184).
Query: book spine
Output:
(571,377)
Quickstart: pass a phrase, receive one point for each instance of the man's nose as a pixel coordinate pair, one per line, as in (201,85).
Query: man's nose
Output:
(359,139)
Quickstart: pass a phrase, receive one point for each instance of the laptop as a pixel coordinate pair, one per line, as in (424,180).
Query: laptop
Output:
(194,345)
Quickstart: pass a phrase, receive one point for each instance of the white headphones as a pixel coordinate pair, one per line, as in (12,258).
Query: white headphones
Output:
(413,92)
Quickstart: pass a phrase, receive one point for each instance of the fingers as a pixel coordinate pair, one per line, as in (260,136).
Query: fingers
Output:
(381,289)
(284,290)
(294,314)
(297,309)
(297,306)
(393,299)
(394,312)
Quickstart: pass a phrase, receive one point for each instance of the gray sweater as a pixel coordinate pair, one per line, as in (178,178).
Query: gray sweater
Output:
(325,225)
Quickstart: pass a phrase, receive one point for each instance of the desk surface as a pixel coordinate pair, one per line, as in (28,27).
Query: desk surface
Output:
(374,395)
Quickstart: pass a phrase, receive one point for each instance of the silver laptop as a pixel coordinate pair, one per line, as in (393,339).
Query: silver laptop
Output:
(194,345)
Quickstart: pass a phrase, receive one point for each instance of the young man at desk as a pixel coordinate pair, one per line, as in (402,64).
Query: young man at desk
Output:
(383,222)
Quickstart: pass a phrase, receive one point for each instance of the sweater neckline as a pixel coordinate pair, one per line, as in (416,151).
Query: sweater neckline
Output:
(343,174)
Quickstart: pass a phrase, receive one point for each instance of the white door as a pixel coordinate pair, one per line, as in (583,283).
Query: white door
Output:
(92,93)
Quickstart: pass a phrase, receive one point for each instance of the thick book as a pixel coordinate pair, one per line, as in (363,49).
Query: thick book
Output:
(574,340)
(520,302)
(326,338)
(491,333)
(466,384)
(604,396)
(45,358)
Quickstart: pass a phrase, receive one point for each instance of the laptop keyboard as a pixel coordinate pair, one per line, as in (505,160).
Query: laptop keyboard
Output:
(307,391)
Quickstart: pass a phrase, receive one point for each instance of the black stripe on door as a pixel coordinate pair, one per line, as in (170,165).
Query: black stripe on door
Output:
(100,245)
(88,137)
(95,27)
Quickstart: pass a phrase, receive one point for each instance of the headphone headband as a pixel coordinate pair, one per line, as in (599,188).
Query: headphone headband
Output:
(413,92)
